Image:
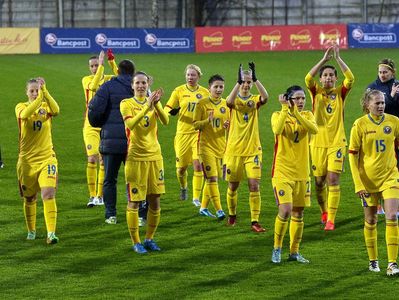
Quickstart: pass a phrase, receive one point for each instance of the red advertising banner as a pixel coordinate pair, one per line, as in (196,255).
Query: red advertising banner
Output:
(269,38)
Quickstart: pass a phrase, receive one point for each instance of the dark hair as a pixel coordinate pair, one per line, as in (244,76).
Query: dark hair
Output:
(389,63)
(126,67)
(291,91)
(327,67)
(140,73)
(93,57)
(214,78)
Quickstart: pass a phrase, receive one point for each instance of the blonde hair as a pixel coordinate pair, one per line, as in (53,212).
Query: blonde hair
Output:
(193,67)
(367,96)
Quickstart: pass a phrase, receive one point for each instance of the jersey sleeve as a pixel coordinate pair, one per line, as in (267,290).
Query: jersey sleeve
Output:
(278,120)
(173,101)
(114,66)
(199,121)
(131,120)
(24,111)
(354,148)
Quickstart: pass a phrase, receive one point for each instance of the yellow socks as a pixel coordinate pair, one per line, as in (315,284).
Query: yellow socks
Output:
(50,214)
(391,237)
(334,196)
(321,194)
(370,237)
(153,217)
(213,189)
(198,180)
(91,172)
(30,214)
(280,228)
(132,220)
(296,232)
(254,205)
(100,181)
(182,179)
(205,196)
(232,202)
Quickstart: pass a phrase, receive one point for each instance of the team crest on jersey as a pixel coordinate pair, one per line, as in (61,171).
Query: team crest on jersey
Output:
(228,171)
(387,129)
(251,103)
(199,96)
(208,168)
(222,110)
(313,167)
(134,190)
(23,187)
(333,96)
(281,193)
(42,112)
(177,159)
(89,146)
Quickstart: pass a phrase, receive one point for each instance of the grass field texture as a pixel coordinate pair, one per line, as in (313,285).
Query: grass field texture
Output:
(200,258)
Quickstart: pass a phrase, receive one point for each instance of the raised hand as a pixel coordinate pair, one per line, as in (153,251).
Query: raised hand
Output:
(101,58)
(329,54)
(252,68)
(239,77)
(110,55)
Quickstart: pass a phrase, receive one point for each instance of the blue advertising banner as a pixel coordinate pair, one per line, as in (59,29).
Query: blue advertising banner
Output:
(373,35)
(93,40)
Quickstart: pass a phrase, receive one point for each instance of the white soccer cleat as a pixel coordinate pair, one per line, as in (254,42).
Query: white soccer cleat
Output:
(374,266)
(393,269)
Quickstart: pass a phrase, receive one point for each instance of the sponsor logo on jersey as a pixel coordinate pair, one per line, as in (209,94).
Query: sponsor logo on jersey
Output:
(42,112)
(135,190)
(199,96)
(222,110)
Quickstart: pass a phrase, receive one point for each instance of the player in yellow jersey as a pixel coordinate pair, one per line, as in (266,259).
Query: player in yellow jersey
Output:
(211,119)
(292,127)
(183,101)
(144,171)
(375,175)
(328,146)
(243,150)
(37,167)
(91,135)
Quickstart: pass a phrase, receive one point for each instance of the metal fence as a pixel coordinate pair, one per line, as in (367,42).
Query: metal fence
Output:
(186,13)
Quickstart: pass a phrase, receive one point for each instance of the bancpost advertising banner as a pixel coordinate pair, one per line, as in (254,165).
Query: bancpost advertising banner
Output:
(87,40)
(269,38)
(373,35)
(19,41)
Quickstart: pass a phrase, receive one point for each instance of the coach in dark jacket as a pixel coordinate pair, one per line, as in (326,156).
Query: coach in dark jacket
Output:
(104,112)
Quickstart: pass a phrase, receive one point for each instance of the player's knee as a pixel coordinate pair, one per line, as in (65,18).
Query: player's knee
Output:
(253,185)
(48,193)
(180,171)
(30,199)
(233,186)
(92,158)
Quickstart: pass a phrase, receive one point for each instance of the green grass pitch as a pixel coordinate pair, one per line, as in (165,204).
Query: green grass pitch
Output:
(200,258)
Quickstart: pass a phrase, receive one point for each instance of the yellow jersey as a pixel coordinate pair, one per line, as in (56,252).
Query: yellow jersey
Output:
(328,109)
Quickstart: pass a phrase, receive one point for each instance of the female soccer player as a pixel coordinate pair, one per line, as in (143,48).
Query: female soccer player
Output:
(387,83)
(292,127)
(91,135)
(210,118)
(37,165)
(243,150)
(328,146)
(144,170)
(183,101)
(373,165)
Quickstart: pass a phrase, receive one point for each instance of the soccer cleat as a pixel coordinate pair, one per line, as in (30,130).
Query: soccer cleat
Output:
(139,248)
(196,202)
(276,255)
(393,269)
(256,227)
(98,201)
(183,194)
(231,220)
(329,226)
(51,238)
(297,257)
(142,222)
(373,266)
(111,220)
(380,210)
(151,245)
(31,235)
(324,216)
(220,215)
(1,164)
(91,202)
(206,213)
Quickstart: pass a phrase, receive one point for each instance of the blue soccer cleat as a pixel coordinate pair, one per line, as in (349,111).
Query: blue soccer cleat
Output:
(220,215)
(276,255)
(206,213)
(139,248)
(151,245)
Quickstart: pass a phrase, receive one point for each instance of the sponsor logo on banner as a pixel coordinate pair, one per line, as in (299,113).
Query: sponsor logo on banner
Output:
(52,40)
(301,37)
(214,39)
(271,40)
(152,40)
(330,37)
(373,37)
(244,38)
(117,43)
